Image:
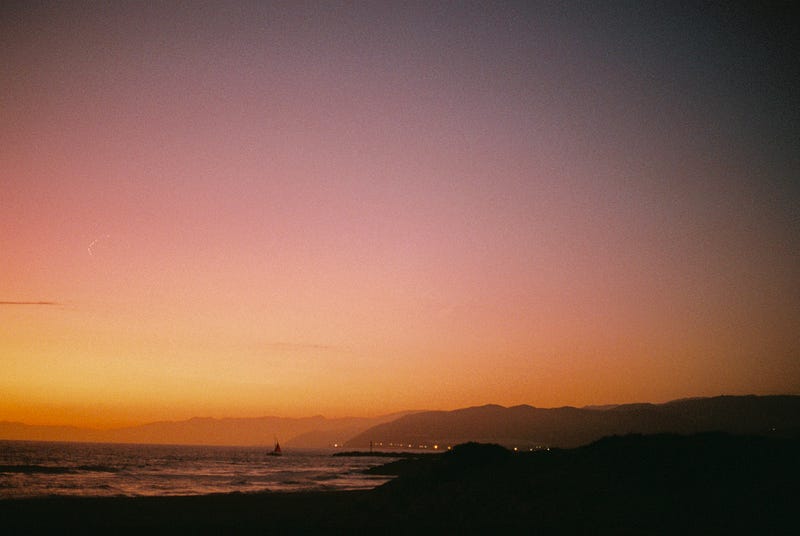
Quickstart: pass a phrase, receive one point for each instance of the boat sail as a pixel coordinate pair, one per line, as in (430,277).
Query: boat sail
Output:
(277,450)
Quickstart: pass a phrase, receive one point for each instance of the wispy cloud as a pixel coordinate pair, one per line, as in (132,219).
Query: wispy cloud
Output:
(29,303)
(298,346)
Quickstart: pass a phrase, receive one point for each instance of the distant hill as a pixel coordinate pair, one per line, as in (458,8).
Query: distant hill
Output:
(520,426)
(310,432)
(530,427)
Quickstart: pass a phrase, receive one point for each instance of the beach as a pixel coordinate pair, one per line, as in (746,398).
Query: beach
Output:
(705,484)
(257,511)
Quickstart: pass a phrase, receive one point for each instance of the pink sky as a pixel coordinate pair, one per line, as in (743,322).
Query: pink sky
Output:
(244,209)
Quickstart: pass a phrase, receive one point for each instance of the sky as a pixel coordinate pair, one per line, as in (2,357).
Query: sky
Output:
(239,209)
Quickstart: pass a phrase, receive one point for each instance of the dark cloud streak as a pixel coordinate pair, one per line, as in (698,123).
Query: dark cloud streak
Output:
(29,303)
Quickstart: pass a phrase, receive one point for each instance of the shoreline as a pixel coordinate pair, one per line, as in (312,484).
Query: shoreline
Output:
(662,484)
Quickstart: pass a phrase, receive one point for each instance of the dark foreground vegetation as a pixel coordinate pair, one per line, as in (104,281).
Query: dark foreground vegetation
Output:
(663,484)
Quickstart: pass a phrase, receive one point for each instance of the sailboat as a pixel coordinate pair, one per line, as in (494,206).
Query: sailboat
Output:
(277,450)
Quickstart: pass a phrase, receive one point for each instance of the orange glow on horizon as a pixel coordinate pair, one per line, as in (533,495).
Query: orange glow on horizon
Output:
(287,211)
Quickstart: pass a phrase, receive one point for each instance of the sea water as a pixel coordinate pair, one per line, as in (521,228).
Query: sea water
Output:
(33,469)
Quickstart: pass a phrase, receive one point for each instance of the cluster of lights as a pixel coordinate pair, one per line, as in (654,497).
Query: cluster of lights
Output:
(435,446)
(421,446)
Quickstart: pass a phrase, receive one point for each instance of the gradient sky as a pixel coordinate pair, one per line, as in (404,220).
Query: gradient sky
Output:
(252,208)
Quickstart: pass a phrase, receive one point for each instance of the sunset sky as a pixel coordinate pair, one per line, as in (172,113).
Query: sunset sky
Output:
(252,208)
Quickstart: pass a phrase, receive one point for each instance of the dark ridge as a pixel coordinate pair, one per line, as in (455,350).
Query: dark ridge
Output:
(711,483)
(380,454)
(473,453)
(527,427)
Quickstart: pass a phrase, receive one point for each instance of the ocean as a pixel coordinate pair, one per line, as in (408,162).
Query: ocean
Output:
(35,469)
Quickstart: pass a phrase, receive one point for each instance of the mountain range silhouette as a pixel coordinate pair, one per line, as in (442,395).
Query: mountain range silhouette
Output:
(525,427)
(530,427)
